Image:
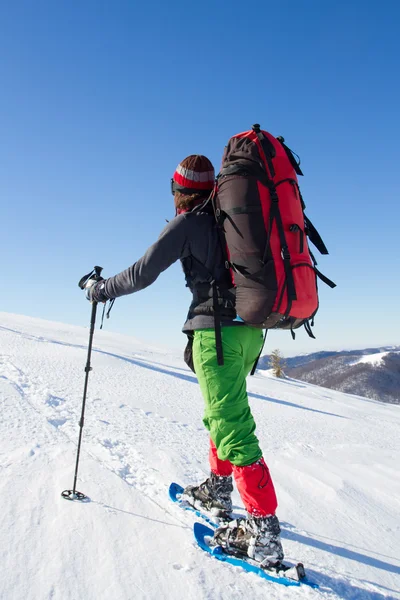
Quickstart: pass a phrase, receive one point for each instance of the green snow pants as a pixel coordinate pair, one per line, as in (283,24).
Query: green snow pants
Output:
(227,413)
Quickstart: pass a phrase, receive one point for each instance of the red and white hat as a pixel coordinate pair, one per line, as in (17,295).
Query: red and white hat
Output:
(193,174)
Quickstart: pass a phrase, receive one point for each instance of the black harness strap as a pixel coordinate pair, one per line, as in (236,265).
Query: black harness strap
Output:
(288,180)
(217,322)
(219,217)
(324,278)
(259,356)
(268,151)
(269,232)
(314,236)
(321,275)
(242,210)
(291,288)
(271,217)
(307,327)
(290,155)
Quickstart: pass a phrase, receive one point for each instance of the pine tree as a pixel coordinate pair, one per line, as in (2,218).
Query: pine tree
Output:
(277,363)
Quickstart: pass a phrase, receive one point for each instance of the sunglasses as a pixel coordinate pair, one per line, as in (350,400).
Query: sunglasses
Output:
(175,187)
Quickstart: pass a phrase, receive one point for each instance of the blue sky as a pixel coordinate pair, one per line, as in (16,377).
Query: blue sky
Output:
(101,100)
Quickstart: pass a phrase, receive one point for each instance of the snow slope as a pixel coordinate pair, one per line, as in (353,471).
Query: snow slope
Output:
(334,458)
(373,359)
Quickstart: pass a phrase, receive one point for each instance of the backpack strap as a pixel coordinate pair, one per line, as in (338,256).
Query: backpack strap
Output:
(259,355)
(322,277)
(314,236)
(220,217)
(245,168)
(215,295)
(188,352)
(241,210)
(275,214)
(307,327)
(217,325)
(290,154)
(267,147)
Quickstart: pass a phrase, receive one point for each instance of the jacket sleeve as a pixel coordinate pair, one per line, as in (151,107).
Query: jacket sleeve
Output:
(170,246)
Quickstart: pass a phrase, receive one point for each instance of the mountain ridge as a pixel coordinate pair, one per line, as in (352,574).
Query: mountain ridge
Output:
(370,372)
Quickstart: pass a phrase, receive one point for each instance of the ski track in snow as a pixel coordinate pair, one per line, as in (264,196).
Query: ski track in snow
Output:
(333,466)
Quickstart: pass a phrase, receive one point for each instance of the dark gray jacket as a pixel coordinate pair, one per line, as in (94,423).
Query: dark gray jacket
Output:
(193,238)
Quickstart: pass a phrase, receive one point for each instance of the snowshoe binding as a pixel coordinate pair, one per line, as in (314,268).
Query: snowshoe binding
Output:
(213,496)
(255,538)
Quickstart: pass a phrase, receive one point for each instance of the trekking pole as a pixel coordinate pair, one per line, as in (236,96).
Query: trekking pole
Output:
(74,494)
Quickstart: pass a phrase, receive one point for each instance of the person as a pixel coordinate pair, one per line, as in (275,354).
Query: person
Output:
(192,237)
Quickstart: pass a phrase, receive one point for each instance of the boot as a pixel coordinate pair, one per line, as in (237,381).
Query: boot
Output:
(213,495)
(256,538)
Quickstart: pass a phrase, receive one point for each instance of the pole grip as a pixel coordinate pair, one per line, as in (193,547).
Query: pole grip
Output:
(94,274)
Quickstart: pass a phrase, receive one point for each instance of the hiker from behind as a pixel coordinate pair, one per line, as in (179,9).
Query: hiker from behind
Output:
(222,351)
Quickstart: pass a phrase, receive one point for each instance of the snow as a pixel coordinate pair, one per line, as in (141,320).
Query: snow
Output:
(373,359)
(334,458)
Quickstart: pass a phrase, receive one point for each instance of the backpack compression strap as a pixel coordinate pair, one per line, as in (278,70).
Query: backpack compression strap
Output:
(314,236)
(290,154)
(267,148)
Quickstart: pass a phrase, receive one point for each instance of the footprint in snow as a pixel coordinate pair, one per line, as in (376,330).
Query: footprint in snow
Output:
(57,422)
(54,400)
(109,444)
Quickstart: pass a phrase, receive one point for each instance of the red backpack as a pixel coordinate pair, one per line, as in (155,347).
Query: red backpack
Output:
(260,216)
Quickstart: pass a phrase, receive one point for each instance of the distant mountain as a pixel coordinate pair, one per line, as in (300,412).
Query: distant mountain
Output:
(371,372)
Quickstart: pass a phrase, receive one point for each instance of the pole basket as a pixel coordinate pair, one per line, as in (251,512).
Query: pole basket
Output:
(74,495)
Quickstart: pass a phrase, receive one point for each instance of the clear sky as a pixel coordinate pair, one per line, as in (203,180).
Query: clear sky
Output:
(99,101)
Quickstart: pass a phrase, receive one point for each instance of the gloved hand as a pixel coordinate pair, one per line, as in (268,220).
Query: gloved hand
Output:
(93,290)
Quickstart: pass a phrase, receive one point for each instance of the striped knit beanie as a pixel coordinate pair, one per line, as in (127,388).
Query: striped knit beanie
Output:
(194,174)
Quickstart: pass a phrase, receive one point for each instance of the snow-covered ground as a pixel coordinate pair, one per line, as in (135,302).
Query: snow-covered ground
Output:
(334,458)
(373,359)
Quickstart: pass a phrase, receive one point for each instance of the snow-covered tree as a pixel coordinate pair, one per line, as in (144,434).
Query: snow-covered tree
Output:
(277,363)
